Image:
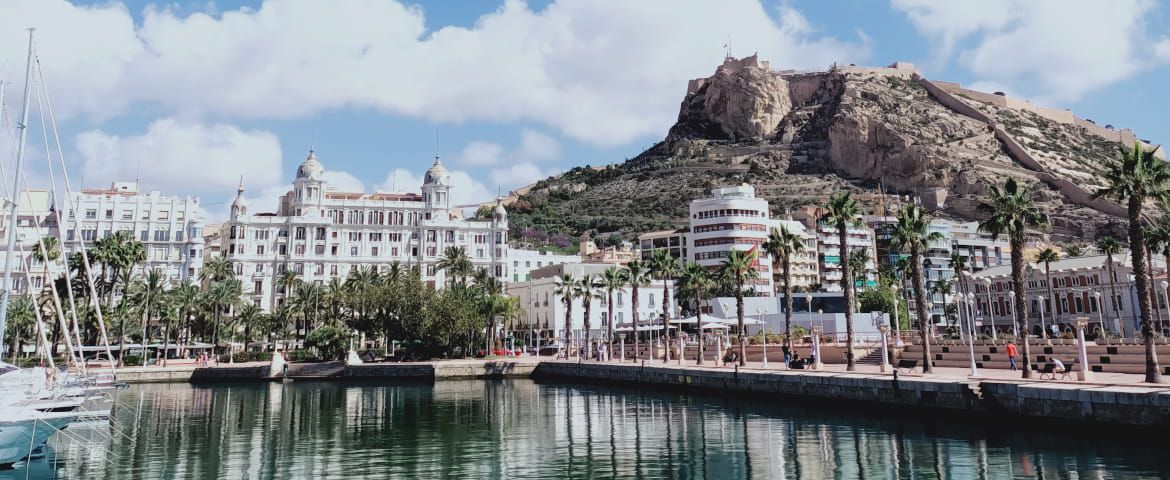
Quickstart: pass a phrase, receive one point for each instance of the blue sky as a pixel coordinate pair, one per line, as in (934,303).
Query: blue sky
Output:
(192,95)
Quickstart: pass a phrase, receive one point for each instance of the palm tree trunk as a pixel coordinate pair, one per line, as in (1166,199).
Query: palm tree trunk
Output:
(609,324)
(634,317)
(739,315)
(920,307)
(1113,293)
(699,322)
(1137,255)
(568,323)
(145,331)
(1048,279)
(786,264)
(588,312)
(847,283)
(665,320)
(15,346)
(1018,306)
(166,343)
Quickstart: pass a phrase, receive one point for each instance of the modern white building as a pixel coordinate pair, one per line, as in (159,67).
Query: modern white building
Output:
(543,311)
(321,233)
(169,227)
(673,241)
(857,237)
(733,218)
(524,261)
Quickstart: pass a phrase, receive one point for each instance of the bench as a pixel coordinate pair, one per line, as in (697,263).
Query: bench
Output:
(909,365)
(1050,370)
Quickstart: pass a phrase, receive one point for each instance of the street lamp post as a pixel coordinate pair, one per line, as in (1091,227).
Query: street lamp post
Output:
(971,342)
(623,337)
(884,329)
(821,322)
(1083,373)
(1015,328)
(764,344)
(817,363)
(990,310)
(897,321)
(1165,298)
(1043,324)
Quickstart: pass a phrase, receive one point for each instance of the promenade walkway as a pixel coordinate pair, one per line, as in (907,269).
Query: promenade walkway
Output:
(940,373)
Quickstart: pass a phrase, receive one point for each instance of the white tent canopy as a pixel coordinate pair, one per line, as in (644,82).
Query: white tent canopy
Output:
(715,326)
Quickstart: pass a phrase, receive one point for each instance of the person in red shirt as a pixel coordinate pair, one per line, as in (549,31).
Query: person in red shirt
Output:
(1011,351)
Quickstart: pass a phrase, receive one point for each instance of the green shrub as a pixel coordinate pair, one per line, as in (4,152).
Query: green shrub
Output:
(329,341)
(132,361)
(300,355)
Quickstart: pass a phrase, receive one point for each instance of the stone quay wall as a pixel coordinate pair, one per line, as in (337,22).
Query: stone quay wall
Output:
(1064,402)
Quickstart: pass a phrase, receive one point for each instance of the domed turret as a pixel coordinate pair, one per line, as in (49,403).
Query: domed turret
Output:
(239,205)
(500,213)
(310,168)
(437,174)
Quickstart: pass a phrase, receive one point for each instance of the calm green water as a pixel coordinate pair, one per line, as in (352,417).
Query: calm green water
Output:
(520,429)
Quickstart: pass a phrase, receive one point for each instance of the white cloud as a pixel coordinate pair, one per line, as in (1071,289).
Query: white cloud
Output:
(343,181)
(465,190)
(518,175)
(480,153)
(603,72)
(537,146)
(177,156)
(1052,50)
(1162,49)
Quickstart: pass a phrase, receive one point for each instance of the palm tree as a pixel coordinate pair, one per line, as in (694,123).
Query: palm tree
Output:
(1047,256)
(185,298)
(958,264)
(588,289)
(21,318)
(1109,247)
(287,281)
(781,245)
(912,232)
(566,287)
(739,267)
(696,281)
(223,296)
(1074,250)
(664,267)
(1011,211)
(492,289)
(1138,176)
(456,263)
(858,259)
(251,318)
(148,294)
(841,212)
(637,275)
(613,278)
(216,269)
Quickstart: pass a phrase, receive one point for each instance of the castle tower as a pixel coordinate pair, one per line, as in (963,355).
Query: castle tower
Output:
(239,205)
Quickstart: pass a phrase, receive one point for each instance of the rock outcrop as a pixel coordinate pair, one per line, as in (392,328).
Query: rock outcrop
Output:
(884,133)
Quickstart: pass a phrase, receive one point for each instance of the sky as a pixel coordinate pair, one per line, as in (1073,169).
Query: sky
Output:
(190,97)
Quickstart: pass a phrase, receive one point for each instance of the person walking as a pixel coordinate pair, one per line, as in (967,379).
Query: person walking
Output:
(1012,352)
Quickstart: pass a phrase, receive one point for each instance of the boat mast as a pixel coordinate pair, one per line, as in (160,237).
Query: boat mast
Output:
(6,286)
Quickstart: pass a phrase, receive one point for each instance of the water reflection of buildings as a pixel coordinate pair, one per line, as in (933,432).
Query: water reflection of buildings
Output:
(476,429)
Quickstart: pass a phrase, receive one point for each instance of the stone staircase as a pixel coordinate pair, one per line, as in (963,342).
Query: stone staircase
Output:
(874,357)
(1128,358)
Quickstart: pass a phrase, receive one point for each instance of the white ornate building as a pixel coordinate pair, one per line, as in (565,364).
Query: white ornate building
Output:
(322,234)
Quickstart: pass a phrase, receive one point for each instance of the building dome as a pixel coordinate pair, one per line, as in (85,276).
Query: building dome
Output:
(239,205)
(310,168)
(500,212)
(437,174)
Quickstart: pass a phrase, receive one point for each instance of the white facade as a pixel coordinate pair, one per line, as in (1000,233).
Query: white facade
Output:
(170,228)
(322,234)
(523,262)
(544,311)
(731,219)
(829,249)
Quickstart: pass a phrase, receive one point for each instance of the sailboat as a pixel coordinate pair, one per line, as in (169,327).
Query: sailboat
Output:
(36,403)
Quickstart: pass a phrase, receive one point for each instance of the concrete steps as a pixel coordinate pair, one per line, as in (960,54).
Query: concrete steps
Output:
(1101,358)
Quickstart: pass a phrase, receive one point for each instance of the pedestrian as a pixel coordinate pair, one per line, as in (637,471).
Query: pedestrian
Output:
(1011,352)
(787,356)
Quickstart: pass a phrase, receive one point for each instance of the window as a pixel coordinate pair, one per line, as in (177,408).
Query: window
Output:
(239,269)
(178,235)
(162,235)
(375,237)
(395,237)
(430,235)
(259,269)
(355,236)
(109,214)
(300,233)
(259,250)
(393,251)
(430,251)
(430,270)
(320,233)
(333,270)
(319,249)
(127,214)
(333,250)
(353,251)
(299,250)
(89,235)
(374,251)
(318,269)
(164,215)
(257,286)
(106,234)
(260,234)
(282,250)
(479,253)
(91,214)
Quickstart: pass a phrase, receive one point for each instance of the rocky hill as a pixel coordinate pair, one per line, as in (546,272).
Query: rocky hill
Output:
(798,137)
